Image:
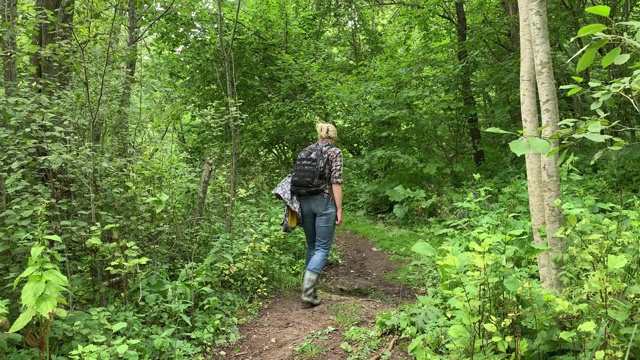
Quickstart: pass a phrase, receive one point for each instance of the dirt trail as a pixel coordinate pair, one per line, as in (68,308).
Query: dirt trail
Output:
(352,293)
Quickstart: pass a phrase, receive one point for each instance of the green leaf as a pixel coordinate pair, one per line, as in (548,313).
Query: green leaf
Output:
(588,326)
(423,248)
(601,10)
(46,304)
(567,335)
(457,331)
(586,60)
(55,277)
(621,59)
(119,326)
(22,320)
(122,349)
(94,241)
(397,194)
(616,261)
(597,156)
(598,44)
(568,122)
(61,312)
(575,90)
(53,238)
(596,104)
(619,315)
(591,29)
(630,23)
(611,56)
(520,146)
(512,283)
(400,210)
(31,291)
(158,207)
(496,130)
(595,127)
(490,327)
(597,137)
(36,251)
(28,271)
(541,146)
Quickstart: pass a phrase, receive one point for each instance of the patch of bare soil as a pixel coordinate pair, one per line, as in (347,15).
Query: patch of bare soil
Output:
(353,292)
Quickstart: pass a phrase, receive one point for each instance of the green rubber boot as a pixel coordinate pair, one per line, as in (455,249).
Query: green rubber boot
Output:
(309,296)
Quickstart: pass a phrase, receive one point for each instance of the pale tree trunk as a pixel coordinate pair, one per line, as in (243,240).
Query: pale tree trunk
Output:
(530,125)
(465,88)
(227,57)
(550,118)
(8,15)
(204,187)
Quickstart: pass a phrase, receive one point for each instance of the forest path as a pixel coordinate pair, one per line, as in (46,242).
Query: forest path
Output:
(353,292)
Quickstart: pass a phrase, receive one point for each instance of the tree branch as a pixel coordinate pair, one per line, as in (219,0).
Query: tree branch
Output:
(154,21)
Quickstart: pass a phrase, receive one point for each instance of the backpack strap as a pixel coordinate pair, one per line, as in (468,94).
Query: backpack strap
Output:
(328,167)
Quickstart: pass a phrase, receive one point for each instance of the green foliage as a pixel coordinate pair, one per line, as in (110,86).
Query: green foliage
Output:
(309,349)
(484,298)
(362,343)
(346,315)
(110,135)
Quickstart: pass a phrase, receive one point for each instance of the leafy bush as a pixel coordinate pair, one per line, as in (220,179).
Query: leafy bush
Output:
(484,297)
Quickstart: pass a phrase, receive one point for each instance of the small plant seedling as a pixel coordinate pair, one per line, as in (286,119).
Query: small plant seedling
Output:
(346,315)
(309,350)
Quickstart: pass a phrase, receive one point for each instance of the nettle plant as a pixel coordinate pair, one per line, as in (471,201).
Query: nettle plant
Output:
(604,248)
(487,287)
(42,294)
(489,303)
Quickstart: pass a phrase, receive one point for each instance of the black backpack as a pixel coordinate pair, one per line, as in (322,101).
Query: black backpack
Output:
(310,175)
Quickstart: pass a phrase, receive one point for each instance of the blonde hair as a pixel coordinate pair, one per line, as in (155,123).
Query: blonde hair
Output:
(326,131)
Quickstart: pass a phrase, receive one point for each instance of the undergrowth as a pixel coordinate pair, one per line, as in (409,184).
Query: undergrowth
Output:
(483,296)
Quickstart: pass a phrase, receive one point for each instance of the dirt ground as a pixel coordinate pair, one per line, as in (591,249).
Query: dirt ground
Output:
(353,292)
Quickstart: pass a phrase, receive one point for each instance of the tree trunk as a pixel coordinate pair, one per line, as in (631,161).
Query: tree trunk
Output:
(227,57)
(129,69)
(550,118)
(8,15)
(468,100)
(511,7)
(530,125)
(204,187)
(3,197)
(51,69)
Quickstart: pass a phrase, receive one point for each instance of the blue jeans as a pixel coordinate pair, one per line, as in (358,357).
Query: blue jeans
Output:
(319,224)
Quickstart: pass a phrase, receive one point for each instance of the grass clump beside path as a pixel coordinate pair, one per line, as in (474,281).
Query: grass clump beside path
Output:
(391,239)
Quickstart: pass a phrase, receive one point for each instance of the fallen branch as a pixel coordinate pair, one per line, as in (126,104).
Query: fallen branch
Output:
(389,347)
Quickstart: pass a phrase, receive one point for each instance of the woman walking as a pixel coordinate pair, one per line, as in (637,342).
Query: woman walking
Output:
(321,213)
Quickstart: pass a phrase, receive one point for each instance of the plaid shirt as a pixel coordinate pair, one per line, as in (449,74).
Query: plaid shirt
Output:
(335,161)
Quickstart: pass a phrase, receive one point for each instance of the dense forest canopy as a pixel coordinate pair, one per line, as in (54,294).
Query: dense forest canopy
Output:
(140,141)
